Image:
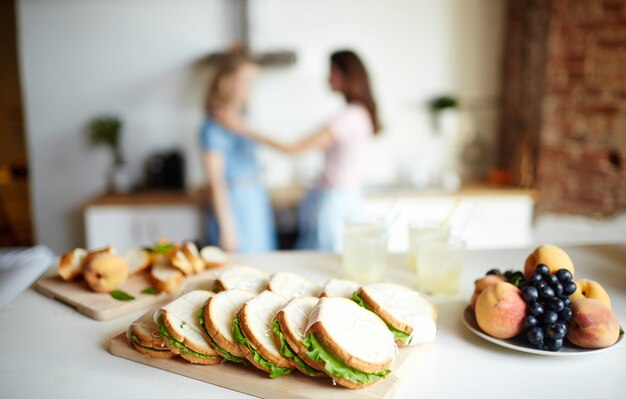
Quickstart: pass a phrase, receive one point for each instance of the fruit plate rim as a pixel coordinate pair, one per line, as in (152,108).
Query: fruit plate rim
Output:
(469,321)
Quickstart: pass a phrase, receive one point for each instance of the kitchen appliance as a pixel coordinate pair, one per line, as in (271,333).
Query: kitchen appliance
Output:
(165,170)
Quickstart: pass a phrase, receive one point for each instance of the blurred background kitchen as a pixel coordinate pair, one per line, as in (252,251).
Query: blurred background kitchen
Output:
(517,107)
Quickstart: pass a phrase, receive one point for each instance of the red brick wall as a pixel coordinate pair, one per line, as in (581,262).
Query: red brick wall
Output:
(575,117)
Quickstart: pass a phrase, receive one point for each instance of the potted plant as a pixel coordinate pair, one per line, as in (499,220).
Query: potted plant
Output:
(106,131)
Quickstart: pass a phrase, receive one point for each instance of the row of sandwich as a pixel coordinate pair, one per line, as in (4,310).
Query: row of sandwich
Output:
(284,322)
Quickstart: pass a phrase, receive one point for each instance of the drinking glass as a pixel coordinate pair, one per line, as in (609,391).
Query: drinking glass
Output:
(439,266)
(365,251)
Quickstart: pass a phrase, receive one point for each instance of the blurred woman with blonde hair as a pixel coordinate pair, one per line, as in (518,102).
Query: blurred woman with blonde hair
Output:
(240,217)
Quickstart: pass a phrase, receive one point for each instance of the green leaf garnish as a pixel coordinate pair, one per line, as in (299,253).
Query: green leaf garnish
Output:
(335,366)
(151,291)
(397,334)
(121,295)
(275,371)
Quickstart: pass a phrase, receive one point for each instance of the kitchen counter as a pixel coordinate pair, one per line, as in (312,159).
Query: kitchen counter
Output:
(50,350)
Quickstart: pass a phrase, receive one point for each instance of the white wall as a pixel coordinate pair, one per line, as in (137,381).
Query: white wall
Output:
(138,58)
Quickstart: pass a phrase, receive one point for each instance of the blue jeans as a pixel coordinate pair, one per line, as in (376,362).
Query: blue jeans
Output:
(322,215)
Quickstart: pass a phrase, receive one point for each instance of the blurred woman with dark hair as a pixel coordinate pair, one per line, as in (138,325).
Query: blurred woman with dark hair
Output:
(346,140)
(240,217)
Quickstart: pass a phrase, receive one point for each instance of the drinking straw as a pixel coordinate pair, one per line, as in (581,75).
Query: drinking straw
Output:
(391,217)
(468,219)
(451,213)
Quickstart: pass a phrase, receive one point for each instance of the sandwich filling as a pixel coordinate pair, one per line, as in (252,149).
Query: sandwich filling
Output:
(225,354)
(275,371)
(397,334)
(286,351)
(136,340)
(173,342)
(334,366)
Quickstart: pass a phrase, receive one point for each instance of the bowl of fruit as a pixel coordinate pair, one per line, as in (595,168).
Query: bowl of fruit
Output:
(543,309)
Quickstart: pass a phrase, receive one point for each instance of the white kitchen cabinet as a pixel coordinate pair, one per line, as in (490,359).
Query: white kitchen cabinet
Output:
(127,226)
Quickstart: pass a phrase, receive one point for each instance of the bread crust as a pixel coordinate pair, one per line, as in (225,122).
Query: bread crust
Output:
(201,360)
(324,337)
(191,253)
(231,347)
(170,285)
(157,354)
(189,344)
(179,260)
(209,264)
(388,317)
(383,314)
(296,346)
(256,344)
(68,270)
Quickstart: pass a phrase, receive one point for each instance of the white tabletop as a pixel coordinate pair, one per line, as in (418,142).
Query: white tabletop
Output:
(47,349)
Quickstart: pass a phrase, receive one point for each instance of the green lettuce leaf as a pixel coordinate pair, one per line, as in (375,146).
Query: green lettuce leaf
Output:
(397,334)
(178,344)
(275,371)
(286,351)
(225,354)
(335,366)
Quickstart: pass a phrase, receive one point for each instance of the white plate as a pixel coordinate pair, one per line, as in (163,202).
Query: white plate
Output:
(518,344)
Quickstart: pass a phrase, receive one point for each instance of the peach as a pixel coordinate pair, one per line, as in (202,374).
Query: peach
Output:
(593,324)
(500,310)
(590,289)
(550,255)
(106,272)
(482,284)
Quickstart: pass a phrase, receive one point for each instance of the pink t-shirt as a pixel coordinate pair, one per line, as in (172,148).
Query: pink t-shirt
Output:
(352,129)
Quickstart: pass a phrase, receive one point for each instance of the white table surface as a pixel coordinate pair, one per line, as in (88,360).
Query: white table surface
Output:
(47,349)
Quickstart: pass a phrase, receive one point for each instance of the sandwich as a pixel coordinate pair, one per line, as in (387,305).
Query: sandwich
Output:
(252,331)
(190,250)
(291,285)
(213,257)
(217,320)
(138,260)
(144,336)
(408,315)
(341,288)
(179,260)
(242,277)
(288,329)
(72,264)
(350,344)
(181,330)
(164,276)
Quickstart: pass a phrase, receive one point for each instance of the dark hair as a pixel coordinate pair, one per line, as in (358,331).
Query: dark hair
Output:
(357,85)
(220,88)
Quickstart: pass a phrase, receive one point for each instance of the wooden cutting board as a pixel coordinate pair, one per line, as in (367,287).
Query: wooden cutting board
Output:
(101,306)
(293,386)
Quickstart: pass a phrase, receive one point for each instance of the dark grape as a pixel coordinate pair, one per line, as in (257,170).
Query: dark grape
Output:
(567,301)
(550,317)
(530,294)
(555,304)
(546,292)
(569,288)
(530,321)
(493,271)
(553,344)
(551,279)
(540,284)
(564,275)
(542,269)
(508,274)
(535,337)
(536,309)
(558,289)
(556,331)
(566,314)
(535,277)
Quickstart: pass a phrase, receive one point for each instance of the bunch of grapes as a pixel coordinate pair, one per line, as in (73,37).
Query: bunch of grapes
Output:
(549,307)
